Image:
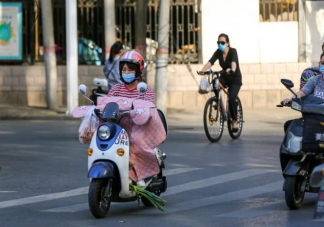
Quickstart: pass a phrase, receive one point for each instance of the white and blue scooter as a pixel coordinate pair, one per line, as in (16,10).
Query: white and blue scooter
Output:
(108,162)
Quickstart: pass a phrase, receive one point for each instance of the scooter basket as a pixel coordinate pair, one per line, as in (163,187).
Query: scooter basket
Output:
(313,133)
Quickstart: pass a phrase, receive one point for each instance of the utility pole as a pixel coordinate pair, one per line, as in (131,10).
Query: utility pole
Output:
(71,55)
(110,23)
(49,54)
(161,76)
(301,31)
(140,25)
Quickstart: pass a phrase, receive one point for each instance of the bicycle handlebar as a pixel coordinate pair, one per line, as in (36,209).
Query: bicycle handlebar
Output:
(210,72)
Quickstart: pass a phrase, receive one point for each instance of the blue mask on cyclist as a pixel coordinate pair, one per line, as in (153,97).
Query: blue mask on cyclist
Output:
(322,69)
(128,78)
(222,47)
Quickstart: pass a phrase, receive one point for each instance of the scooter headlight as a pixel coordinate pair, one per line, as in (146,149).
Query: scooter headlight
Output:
(104,132)
(293,143)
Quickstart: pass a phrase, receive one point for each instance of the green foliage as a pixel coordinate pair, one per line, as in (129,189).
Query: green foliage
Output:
(157,201)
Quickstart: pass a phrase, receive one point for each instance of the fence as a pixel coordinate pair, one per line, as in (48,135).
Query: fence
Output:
(184,29)
(278,10)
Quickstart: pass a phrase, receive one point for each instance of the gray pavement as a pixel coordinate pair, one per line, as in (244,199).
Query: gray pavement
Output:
(229,183)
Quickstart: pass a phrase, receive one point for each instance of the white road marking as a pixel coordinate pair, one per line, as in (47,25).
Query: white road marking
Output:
(75,192)
(184,187)
(71,209)
(41,198)
(216,180)
(170,172)
(278,206)
(225,198)
(319,220)
(255,212)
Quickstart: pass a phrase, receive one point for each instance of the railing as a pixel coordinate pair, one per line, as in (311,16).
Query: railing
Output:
(278,10)
(183,42)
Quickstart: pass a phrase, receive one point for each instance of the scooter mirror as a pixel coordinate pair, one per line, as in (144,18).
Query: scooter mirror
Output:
(142,87)
(83,90)
(287,83)
(317,176)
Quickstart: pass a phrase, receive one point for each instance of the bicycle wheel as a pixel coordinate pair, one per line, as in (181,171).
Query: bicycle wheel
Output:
(236,135)
(213,120)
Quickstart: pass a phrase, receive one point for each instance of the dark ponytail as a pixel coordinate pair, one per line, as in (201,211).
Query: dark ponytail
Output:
(115,49)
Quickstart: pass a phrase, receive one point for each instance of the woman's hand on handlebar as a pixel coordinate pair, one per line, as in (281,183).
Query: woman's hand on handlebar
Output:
(286,101)
(229,71)
(201,73)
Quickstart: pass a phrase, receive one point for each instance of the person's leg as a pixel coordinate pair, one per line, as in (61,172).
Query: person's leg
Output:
(232,94)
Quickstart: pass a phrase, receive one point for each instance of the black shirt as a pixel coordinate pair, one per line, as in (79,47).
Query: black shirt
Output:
(235,77)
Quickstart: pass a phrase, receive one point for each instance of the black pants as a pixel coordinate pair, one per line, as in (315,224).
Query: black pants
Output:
(233,90)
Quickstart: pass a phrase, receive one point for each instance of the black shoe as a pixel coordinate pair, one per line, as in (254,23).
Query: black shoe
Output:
(234,129)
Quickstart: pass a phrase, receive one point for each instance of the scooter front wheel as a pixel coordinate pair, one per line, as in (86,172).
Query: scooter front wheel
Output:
(293,192)
(99,204)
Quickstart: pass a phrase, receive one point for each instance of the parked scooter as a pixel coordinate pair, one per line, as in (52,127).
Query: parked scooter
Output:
(99,91)
(302,148)
(108,158)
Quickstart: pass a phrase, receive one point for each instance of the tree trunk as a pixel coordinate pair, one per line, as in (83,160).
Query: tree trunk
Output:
(110,23)
(140,32)
(161,77)
(49,54)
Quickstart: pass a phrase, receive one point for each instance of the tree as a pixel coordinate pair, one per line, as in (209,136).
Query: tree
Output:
(49,54)
(161,76)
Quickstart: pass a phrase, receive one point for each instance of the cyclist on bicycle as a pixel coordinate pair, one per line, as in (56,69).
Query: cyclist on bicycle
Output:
(232,77)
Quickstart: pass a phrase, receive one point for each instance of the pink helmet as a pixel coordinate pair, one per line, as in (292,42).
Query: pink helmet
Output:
(135,58)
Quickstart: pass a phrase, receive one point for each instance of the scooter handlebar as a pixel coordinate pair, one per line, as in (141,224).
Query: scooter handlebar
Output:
(282,104)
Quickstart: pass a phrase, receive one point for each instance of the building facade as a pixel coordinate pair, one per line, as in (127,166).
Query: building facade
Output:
(274,38)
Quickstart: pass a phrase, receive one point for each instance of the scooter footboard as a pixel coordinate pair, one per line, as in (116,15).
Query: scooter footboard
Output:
(102,169)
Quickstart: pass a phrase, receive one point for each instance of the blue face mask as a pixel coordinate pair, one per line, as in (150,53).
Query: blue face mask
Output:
(322,69)
(222,47)
(128,78)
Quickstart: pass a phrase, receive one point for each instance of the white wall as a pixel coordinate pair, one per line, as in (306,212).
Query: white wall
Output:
(314,30)
(238,19)
(255,42)
(278,42)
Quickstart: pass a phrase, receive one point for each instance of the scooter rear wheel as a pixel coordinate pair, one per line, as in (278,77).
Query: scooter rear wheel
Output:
(293,194)
(98,204)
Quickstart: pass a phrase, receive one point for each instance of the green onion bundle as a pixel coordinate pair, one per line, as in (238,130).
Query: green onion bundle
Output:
(157,201)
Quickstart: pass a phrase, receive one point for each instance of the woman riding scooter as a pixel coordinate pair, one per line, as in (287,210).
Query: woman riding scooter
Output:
(315,87)
(131,67)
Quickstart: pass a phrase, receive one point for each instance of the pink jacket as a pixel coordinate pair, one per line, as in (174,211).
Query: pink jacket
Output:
(145,130)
